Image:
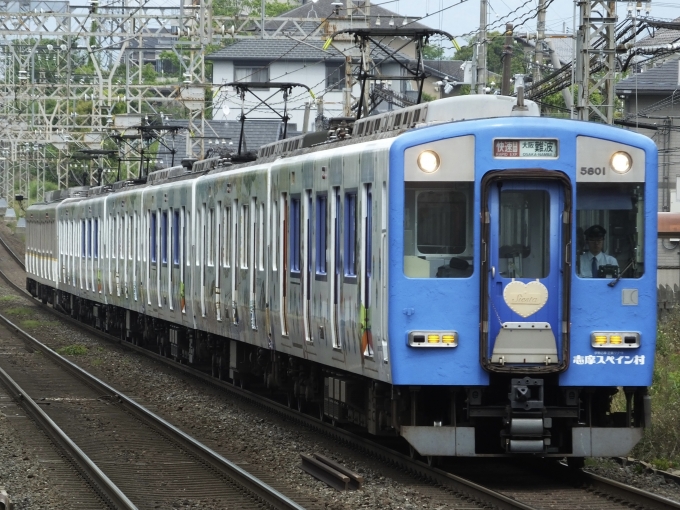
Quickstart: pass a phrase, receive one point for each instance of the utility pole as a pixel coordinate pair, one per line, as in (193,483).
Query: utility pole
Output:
(540,38)
(481,49)
(597,19)
(507,61)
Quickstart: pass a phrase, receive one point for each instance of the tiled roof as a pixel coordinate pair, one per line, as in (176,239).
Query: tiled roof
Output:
(323,9)
(291,50)
(660,36)
(257,133)
(658,80)
(445,68)
(269,49)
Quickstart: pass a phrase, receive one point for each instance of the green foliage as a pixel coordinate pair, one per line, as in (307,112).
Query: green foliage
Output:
(72,350)
(20,312)
(29,324)
(661,443)
(494,54)
(250,8)
(427,97)
(434,53)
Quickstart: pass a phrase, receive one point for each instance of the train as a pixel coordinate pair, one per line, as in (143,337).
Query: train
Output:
(415,274)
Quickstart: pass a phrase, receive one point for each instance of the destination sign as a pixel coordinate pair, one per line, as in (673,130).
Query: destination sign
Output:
(525,148)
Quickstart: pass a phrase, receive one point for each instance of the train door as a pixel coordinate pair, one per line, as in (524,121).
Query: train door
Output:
(526,234)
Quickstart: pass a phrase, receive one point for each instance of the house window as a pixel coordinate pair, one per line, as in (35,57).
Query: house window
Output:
(251,74)
(335,76)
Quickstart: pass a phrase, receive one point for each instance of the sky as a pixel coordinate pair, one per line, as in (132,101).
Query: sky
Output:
(459,18)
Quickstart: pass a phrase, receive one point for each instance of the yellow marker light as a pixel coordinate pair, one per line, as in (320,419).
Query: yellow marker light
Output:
(432,339)
(449,339)
(615,339)
(601,339)
(428,161)
(621,162)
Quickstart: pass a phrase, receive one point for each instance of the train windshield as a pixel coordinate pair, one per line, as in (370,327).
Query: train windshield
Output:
(609,230)
(438,230)
(524,243)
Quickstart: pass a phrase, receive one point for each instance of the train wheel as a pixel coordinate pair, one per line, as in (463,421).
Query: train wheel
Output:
(412,452)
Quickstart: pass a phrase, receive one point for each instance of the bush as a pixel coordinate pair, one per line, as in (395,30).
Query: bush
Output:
(72,350)
(661,443)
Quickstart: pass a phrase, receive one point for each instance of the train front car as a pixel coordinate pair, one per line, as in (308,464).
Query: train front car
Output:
(506,337)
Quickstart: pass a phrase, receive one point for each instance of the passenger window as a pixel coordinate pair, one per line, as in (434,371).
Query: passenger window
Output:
(350,234)
(295,235)
(438,230)
(152,243)
(321,234)
(175,237)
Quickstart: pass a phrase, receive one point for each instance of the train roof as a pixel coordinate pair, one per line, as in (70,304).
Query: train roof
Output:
(344,131)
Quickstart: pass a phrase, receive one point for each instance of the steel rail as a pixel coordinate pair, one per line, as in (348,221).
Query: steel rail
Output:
(225,467)
(628,493)
(99,481)
(459,484)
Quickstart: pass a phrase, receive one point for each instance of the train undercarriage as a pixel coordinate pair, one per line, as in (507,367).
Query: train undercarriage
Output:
(514,414)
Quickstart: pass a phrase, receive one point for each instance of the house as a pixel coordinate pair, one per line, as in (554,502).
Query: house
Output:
(309,61)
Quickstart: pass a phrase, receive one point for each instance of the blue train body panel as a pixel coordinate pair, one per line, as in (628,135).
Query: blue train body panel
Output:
(441,304)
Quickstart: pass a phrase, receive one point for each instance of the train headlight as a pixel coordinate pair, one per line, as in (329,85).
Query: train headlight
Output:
(433,339)
(428,161)
(621,162)
(617,340)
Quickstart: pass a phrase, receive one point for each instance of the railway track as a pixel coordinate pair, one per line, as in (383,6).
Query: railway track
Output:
(147,462)
(546,486)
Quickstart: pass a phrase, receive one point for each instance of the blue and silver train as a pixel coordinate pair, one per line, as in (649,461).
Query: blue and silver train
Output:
(463,273)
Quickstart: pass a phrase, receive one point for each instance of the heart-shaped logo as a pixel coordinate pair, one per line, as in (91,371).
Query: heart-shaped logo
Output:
(525,298)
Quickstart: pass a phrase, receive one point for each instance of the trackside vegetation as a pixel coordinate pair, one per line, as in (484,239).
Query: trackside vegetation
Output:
(661,443)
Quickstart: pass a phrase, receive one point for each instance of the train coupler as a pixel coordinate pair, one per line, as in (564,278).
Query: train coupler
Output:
(527,429)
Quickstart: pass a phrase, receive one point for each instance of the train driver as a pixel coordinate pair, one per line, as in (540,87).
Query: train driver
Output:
(592,259)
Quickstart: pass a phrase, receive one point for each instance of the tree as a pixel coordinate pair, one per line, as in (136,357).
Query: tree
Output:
(494,54)
(434,53)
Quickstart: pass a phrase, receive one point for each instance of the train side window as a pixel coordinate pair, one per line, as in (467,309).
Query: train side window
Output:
(89,238)
(175,237)
(244,230)
(129,229)
(350,246)
(95,231)
(187,236)
(438,225)
(152,240)
(260,242)
(164,238)
(226,248)
(211,237)
(274,232)
(321,234)
(294,237)
(83,240)
(618,209)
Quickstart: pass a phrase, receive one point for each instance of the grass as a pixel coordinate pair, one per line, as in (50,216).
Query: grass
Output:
(660,445)
(8,299)
(20,312)
(29,324)
(72,350)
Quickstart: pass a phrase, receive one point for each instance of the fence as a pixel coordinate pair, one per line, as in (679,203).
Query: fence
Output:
(667,299)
